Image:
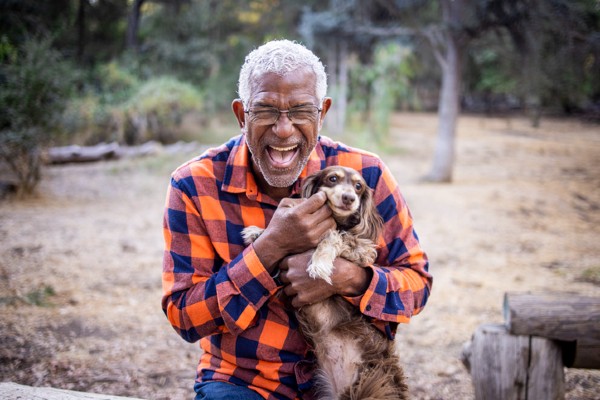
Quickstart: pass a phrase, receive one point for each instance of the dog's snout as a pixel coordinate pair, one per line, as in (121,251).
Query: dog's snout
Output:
(348,198)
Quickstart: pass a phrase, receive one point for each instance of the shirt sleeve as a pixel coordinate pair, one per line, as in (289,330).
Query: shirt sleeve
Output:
(203,295)
(401,283)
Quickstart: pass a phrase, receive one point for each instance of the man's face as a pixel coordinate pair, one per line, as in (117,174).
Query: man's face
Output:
(281,150)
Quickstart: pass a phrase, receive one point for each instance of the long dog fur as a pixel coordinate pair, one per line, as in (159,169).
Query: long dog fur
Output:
(355,360)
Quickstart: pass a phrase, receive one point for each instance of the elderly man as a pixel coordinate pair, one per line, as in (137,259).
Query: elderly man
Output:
(228,295)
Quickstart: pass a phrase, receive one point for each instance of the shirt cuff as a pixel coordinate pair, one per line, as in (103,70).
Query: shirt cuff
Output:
(251,278)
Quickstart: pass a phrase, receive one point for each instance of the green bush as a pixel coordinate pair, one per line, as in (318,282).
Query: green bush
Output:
(87,121)
(96,116)
(376,90)
(117,84)
(156,111)
(35,84)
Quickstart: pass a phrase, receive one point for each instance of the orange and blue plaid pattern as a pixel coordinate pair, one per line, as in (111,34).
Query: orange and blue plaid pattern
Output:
(216,290)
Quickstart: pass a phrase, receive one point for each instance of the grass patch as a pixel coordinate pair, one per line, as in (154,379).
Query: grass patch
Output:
(40,297)
(591,275)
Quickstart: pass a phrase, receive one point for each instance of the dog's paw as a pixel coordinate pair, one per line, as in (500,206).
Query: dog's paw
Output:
(251,233)
(320,270)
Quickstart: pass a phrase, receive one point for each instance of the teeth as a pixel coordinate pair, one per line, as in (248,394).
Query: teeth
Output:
(283,148)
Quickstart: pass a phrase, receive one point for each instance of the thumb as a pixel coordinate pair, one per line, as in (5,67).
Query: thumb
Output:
(314,202)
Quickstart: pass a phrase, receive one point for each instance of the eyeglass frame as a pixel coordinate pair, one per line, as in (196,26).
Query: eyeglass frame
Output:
(279,112)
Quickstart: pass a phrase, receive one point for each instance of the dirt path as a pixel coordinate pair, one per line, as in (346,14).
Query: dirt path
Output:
(80,264)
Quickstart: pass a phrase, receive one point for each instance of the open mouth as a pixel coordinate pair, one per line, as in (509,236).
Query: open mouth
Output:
(282,157)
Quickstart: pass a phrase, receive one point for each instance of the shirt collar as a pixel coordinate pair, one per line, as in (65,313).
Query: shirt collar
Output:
(239,177)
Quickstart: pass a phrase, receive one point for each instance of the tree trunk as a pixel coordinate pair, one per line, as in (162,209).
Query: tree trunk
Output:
(81,30)
(331,120)
(449,101)
(342,86)
(133,23)
(448,110)
(337,63)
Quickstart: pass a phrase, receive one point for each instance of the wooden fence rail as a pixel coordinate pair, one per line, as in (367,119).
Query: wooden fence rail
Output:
(525,358)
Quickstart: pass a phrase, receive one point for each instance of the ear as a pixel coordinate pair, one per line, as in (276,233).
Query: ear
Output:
(373,224)
(238,109)
(324,108)
(310,185)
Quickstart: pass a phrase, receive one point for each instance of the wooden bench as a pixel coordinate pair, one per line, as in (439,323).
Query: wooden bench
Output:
(11,391)
(525,357)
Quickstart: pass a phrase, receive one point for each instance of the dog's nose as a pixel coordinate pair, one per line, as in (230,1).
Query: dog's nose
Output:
(348,198)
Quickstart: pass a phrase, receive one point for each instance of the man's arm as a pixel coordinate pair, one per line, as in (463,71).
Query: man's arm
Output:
(201,294)
(394,288)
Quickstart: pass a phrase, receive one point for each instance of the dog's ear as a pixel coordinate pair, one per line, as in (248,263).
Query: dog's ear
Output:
(311,185)
(371,223)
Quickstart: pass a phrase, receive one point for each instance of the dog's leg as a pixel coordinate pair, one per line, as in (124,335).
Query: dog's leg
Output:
(321,264)
(251,233)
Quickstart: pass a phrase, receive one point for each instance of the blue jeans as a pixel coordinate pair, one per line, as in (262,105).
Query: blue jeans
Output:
(215,390)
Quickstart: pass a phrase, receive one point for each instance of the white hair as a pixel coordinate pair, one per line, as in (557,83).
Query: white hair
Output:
(280,57)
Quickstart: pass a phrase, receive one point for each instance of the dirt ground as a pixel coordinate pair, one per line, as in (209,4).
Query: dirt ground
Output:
(80,264)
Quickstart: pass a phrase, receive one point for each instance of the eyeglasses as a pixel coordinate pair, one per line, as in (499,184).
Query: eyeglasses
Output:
(300,115)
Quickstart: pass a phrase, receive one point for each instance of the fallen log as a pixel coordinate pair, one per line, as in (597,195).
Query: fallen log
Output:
(78,154)
(114,151)
(10,391)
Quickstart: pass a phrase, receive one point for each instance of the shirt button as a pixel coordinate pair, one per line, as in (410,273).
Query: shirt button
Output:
(368,307)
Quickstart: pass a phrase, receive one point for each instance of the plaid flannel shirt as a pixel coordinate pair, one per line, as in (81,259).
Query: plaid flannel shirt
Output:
(216,290)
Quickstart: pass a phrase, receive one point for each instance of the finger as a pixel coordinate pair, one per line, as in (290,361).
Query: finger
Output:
(322,228)
(283,277)
(289,202)
(297,303)
(322,213)
(289,291)
(313,203)
(326,224)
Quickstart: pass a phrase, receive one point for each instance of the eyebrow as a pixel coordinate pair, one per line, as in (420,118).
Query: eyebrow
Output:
(339,174)
(356,178)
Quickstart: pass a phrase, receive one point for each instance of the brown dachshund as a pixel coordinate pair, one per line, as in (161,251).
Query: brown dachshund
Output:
(355,360)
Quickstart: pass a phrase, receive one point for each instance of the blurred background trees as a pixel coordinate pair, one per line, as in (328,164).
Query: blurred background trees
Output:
(89,71)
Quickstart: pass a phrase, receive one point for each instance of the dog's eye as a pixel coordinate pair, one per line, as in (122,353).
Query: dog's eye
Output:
(333,179)
(358,186)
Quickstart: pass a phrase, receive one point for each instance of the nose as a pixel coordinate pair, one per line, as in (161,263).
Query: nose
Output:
(348,198)
(283,127)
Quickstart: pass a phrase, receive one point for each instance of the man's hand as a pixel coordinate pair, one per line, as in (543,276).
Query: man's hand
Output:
(297,225)
(348,279)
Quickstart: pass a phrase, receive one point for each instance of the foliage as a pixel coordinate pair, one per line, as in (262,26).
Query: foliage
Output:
(205,42)
(35,87)
(591,275)
(157,109)
(94,115)
(491,77)
(540,53)
(197,43)
(116,83)
(547,52)
(86,120)
(379,88)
